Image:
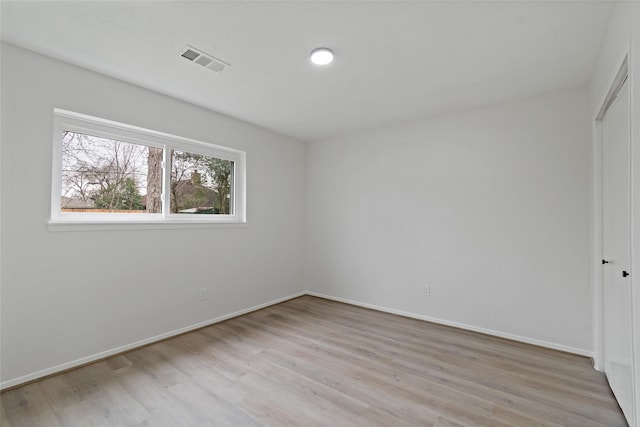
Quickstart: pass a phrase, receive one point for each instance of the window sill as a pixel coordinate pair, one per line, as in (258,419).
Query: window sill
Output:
(164,224)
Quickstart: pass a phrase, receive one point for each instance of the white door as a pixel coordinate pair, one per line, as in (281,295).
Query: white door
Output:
(616,250)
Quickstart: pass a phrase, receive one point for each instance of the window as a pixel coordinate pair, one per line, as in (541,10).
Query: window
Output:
(106,172)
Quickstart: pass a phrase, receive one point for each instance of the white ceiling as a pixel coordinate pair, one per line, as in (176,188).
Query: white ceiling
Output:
(395,61)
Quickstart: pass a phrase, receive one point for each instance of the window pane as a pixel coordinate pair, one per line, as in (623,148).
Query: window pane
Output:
(201,184)
(101,175)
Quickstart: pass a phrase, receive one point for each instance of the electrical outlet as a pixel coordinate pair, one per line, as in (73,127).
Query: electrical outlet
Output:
(202,294)
(426,290)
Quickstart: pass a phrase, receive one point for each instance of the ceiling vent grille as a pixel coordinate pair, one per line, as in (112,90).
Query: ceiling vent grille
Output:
(207,61)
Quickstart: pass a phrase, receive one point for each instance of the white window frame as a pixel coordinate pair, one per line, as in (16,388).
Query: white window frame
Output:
(82,123)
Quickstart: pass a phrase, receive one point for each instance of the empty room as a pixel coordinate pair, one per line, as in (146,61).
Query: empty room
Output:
(320,213)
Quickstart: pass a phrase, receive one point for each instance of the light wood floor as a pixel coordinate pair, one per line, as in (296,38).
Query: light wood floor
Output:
(309,362)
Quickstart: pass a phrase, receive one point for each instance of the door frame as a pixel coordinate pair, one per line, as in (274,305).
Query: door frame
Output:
(624,67)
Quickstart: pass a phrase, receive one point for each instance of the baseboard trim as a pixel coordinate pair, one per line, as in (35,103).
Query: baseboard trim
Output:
(513,337)
(41,374)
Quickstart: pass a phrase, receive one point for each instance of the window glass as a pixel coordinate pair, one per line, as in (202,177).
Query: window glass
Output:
(101,175)
(201,184)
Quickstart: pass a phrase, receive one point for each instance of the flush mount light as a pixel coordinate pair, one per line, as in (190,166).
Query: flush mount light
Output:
(321,56)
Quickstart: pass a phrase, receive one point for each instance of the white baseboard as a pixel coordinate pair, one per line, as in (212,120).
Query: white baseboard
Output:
(540,343)
(104,354)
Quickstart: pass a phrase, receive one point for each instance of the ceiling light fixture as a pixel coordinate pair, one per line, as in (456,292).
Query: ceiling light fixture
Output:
(322,56)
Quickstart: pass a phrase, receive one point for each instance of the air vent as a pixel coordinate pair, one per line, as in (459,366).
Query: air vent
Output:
(190,54)
(203,59)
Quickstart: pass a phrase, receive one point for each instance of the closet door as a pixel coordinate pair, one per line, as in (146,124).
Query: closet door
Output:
(618,349)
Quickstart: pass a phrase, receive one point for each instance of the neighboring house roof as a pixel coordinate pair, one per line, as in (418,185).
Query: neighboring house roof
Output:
(69,203)
(186,189)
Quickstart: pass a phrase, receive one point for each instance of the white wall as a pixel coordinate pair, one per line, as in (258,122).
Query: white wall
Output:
(622,38)
(69,295)
(490,207)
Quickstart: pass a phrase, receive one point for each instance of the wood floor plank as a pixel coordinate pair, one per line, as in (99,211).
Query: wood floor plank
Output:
(27,406)
(4,421)
(403,330)
(376,374)
(60,392)
(346,381)
(529,371)
(585,406)
(116,407)
(314,362)
(318,401)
